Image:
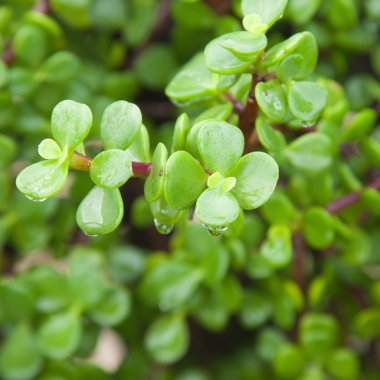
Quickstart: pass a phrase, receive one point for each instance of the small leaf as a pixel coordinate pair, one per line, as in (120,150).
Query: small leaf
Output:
(367,323)
(43,179)
(277,248)
(19,356)
(252,23)
(49,149)
(185,180)
(164,215)
(310,153)
(8,149)
(154,184)
(360,125)
(120,124)
(307,100)
(70,123)
(59,336)
(181,129)
(289,67)
(220,146)
(271,139)
(167,339)
(113,308)
(140,149)
(256,309)
(289,362)
(216,208)
(269,10)
(256,177)
(111,169)
(100,212)
(343,364)
(234,52)
(271,98)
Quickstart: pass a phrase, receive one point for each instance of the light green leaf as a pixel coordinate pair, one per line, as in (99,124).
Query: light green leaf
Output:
(8,149)
(111,168)
(19,356)
(360,125)
(289,67)
(70,123)
(167,339)
(344,364)
(234,52)
(271,139)
(195,83)
(310,153)
(256,177)
(271,98)
(140,149)
(185,180)
(100,212)
(120,124)
(216,208)
(367,323)
(220,146)
(302,11)
(154,184)
(289,362)
(269,10)
(181,129)
(59,336)
(164,215)
(49,149)
(307,100)
(43,179)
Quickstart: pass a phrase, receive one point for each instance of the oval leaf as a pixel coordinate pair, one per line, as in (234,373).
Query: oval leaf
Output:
(268,10)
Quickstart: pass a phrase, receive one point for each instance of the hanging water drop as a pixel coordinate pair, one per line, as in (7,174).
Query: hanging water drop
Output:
(215,230)
(39,200)
(163,228)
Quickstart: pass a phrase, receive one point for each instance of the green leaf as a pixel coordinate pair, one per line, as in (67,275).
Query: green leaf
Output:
(113,308)
(303,44)
(360,125)
(289,67)
(310,153)
(19,356)
(8,149)
(279,209)
(256,177)
(59,336)
(60,67)
(49,150)
(289,361)
(269,10)
(318,228)
(185,180)
(271,98)
(154,184)
(120,124)
(220,146)
(232,53)
(277,248)
(111,169)
(307,100)
(256,309)
(195,83)
(140,149)
(318,334)
(164,215)
(70,123)
(100,212)
(302,11)
(344,365)
(216,208)
(367,323)
(43,179)
(167,339)
(181,129)
(171,284)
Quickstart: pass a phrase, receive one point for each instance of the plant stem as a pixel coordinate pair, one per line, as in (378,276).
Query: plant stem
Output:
(141,169)
(349,199)
(299,270)
(238,106)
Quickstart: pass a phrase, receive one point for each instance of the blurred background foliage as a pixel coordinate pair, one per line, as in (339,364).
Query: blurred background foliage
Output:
(290,292)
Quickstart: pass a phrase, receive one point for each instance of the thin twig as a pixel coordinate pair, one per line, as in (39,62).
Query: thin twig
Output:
(299,262)
(238,106)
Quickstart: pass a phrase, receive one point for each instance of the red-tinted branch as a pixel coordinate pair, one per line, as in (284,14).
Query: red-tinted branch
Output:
(141,169)
(219,6)
(238,106)
(351,198)
(42,6)
(299,261)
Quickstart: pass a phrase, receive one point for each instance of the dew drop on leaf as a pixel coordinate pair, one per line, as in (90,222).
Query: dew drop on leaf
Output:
(163,228)
(39,200)
(215,230)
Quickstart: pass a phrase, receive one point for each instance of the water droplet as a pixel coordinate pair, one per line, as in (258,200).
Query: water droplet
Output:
(215,230)
(91,235)
(163,228)
(39,200)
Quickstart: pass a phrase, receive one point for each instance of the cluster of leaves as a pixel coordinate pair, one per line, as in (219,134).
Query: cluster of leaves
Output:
(290,290)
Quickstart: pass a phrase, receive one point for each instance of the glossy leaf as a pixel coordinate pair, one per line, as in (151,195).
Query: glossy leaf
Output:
(100,212)
(268,10)
(167,339)
(220,146)
(310,153)
(307,100)
(19,356)
(120,124)
(234,52)
(59,336)
(271,98)
(256,177)
(43,179)
(70,123)
(154,184)
(270,138)
(289,67)
(49,150)
(216,208)
(185,180)
(181,129)
(111,169)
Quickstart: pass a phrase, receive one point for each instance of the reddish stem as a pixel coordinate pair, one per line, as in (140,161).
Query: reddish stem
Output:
(237,104)
(141,169)
(299,262)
